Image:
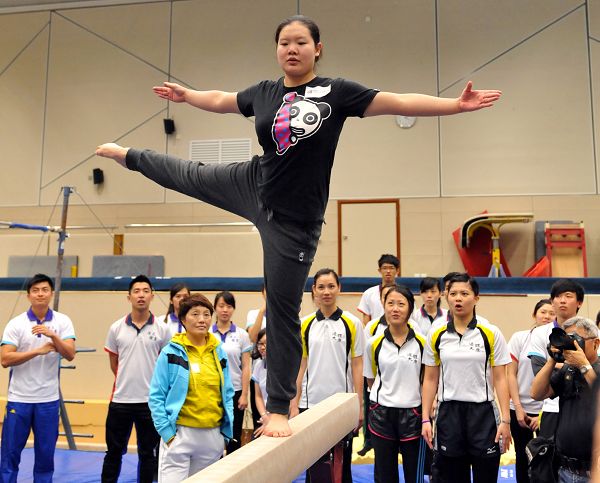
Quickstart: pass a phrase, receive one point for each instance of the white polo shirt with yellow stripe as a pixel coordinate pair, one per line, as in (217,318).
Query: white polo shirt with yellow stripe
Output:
(375,327)
(396,369)
(466,361)
(329,344)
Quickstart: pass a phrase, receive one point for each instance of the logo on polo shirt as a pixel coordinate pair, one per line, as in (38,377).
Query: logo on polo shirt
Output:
(337,336)
(152,336)
(476,346)
(414,358)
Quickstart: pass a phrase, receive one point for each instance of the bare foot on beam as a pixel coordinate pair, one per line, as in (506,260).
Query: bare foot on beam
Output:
(278,426)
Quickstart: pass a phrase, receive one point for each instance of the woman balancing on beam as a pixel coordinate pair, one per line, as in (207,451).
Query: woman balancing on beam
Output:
(284,192)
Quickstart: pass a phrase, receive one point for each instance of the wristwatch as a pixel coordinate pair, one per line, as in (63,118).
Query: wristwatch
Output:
(584,369)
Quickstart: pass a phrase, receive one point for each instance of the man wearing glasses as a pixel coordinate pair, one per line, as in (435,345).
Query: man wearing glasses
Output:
(573,383)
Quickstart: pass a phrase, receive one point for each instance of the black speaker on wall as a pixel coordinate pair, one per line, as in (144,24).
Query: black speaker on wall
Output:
(169,126)
(98,176)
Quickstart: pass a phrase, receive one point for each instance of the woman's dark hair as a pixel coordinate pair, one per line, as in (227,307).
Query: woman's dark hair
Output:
(175,289)
(227,297)
(325,271)
(195,300)
(255,354)
(310,24)
(464,278)
(430,282)
(540,304)
(406,293)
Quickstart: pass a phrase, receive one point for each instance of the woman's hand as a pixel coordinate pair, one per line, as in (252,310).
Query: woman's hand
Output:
(294,410)
(522,417)
(504,433)
(263,422)
(360,420)
(243,402)
(534,423)
(427,433)
(471,100)
(113,151)
(170,91)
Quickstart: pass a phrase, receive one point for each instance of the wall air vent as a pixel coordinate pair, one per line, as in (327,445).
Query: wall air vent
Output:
(210,151)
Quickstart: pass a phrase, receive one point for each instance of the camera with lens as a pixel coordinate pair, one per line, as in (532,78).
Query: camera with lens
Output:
(562,341)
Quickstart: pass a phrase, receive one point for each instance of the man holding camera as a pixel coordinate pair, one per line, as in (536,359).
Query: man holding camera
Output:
(567,297)
(577,346)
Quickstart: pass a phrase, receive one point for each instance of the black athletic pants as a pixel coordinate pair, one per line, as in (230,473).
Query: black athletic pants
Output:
(238,421)
(458,469)
(386,459)
(521,437)
(119,422)
(289,248)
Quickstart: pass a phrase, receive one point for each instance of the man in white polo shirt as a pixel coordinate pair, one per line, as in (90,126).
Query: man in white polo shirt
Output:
(133,344)
(370,305)
(32,345)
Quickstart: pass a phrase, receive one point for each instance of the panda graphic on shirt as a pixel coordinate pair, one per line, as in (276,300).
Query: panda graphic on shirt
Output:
(297,118)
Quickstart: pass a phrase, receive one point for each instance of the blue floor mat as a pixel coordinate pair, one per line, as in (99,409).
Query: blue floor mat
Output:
(86,466)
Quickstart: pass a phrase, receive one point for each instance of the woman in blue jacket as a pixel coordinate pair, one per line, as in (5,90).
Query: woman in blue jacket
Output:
(191,396)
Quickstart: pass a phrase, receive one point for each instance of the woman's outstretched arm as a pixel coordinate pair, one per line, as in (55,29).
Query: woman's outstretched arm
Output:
(423,105)
(212,101)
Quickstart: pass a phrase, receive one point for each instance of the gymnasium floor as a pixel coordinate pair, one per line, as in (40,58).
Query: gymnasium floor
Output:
(86,466)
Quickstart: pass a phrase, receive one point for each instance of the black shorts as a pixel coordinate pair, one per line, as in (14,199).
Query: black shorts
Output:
(466,429)
(398,424)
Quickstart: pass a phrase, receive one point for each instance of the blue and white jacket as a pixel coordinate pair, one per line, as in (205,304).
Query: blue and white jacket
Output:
(169,387)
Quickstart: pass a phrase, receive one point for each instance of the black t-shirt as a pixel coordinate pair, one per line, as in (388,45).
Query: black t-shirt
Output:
(574,434)
(298,129)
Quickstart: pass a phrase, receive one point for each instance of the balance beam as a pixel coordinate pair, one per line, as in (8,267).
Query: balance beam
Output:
(314,432)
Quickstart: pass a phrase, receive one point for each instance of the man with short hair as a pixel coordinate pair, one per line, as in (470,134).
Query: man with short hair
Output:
(133,344)
(567,296)
(572,382)
(370,305)
(32,345)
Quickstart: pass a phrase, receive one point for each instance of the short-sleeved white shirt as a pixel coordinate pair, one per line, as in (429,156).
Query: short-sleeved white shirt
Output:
(466,362)
(259,375)
(538,347)
(235,342)
(251,319)
(396,369)
(137,350)
(325,345)
(370,302)
(35,381)
(375,327)
(517,346)
(423,321)
(173,323)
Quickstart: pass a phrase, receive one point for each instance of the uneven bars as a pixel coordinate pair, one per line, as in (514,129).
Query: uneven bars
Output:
(314,432)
